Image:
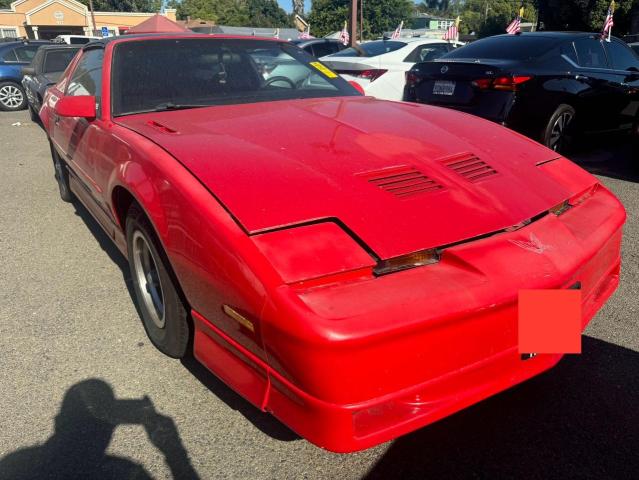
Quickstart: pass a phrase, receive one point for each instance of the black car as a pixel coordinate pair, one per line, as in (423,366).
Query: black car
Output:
(549,86)
(319,47)
(45,69)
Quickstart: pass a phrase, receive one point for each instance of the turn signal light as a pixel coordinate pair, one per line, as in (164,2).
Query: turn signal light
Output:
(508,83)
(404,262)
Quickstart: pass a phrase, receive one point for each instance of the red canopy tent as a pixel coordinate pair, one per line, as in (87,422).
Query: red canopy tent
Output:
(157,24)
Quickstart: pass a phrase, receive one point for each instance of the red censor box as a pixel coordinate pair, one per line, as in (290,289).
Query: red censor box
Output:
(549,321)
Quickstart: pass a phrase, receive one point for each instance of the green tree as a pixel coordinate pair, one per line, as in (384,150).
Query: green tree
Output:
(223,12)
(585,15)
(5,3)
(266,13)
(487,18)
(328,16)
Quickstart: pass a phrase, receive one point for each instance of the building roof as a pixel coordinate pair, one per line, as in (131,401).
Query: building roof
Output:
(157,24)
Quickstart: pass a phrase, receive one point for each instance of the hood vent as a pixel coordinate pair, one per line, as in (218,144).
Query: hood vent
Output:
(471,167)
(403,181)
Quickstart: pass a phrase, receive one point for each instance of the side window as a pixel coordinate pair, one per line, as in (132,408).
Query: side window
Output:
(322,49)
(26,54)
(10,56)
(590,53)
(86,79)
(620,56)
(426,53)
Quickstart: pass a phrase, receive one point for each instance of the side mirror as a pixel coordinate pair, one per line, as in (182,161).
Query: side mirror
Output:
(28,71)
(357,87)
(82,106)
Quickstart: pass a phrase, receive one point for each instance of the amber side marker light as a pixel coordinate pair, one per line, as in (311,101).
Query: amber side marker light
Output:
(238,317)
(405,262)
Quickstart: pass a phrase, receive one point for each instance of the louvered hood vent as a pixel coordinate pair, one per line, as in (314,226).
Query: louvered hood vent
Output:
(402,181)
(469,166)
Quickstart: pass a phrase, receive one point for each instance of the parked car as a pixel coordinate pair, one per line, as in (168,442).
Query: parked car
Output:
(348,264)
(319,47)
(45,69)
(547,85)
(75,39)
(380,66)
(14,56)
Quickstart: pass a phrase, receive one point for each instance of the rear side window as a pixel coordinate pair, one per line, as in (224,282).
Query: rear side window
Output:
(426,53)
(620,56)
(26,54)
(58,60)
(322,49)
(10,56)
(590,53)
(507,47)
(78,41)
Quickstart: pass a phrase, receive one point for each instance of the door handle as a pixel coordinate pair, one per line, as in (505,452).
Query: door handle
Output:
(56,119)
(581,77)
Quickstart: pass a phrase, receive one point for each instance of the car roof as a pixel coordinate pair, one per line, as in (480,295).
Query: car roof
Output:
(159,36)
(8,45)
(310,41)
(551,34)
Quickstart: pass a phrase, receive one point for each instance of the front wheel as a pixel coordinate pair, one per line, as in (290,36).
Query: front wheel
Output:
(12,97)
(164,314)
(559,131)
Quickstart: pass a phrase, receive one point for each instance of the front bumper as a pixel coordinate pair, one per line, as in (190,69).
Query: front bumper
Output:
(354,364)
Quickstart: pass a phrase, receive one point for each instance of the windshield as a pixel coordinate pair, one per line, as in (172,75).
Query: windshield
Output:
(371,49)
(151,75)
(58,60)
(506,47)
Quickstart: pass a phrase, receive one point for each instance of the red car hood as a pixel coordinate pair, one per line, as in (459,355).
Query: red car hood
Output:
(400,176)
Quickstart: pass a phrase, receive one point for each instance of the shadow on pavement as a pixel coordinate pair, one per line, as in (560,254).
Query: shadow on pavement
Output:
(83,429)
(612,155)
(579,420)
(263,421)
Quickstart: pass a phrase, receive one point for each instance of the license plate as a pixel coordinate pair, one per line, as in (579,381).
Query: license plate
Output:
(443,87)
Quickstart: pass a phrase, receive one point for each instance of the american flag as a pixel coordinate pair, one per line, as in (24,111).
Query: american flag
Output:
(514,26)
(398,32)
(609,22)
(453,31)
(306,34)
(343,35)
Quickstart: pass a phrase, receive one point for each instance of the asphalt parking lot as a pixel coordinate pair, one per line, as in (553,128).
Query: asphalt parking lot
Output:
(83,394)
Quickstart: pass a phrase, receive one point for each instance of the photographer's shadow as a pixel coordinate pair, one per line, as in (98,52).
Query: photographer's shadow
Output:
(83,429)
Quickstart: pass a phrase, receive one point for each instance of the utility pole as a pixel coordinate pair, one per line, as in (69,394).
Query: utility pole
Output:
(92,17)
(353,23)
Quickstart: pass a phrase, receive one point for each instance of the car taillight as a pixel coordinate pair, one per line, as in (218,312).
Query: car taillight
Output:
(372,74)
(507,83)
(411,78)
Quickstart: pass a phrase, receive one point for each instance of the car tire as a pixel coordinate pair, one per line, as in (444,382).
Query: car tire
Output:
(559,131)
(33,115)
(12,97)
(160,302)
(61,176)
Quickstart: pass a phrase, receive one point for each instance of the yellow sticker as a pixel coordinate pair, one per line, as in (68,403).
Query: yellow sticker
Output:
(326,71)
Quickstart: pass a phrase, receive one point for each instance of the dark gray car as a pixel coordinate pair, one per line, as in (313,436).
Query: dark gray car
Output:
(45,70)
(319,47)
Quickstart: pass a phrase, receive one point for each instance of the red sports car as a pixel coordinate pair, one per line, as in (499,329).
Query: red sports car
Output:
(349,265)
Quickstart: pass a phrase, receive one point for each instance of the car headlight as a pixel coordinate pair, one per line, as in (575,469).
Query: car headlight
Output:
(322,252)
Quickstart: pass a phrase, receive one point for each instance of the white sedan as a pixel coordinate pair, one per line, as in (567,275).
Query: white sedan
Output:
(380,66)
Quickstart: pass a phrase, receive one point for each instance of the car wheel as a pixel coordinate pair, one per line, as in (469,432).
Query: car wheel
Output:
(559,131)
(61,175)
(12,97)
(164,313)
